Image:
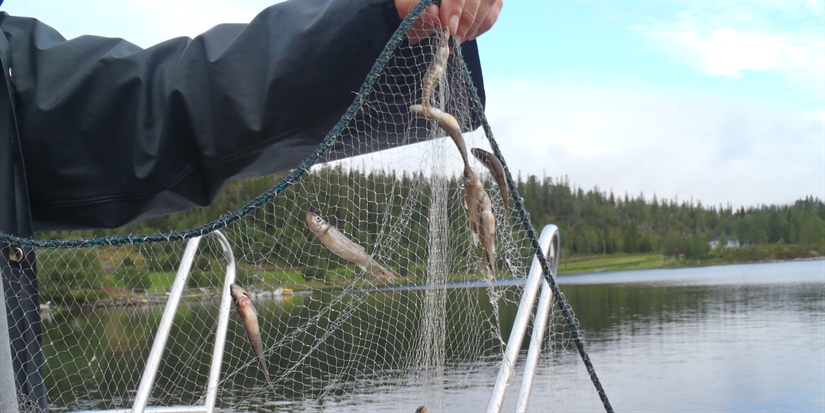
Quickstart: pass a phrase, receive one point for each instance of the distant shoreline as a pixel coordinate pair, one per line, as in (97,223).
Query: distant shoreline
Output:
(632,262)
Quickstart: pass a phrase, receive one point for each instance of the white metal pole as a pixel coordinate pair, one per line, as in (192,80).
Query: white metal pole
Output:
(152,363)
(535,348)
(520,324)
(542,313)
(223,322)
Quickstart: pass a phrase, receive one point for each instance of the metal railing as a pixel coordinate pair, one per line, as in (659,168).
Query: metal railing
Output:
(550,243)
(153,361)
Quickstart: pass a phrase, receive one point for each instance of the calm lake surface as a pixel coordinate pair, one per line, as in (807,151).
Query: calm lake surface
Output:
(738,338)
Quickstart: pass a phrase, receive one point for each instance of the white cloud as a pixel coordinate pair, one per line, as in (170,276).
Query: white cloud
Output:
(675,144)
(729,39)
(816,7)
(728,52)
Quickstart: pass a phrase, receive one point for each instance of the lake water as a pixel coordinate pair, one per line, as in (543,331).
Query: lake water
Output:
(747,338)
(737,338)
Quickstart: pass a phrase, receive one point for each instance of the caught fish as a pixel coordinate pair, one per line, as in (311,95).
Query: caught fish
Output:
(344,248)
(476,201)
(492,163)
(448,123)
(437,68)
(250,325)
(480,213)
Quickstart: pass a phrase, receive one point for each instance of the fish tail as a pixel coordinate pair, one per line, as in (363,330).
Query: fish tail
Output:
(262,364)
(491,262)
(269,382)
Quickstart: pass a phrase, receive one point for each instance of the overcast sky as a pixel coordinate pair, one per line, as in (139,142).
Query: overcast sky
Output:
(719,102)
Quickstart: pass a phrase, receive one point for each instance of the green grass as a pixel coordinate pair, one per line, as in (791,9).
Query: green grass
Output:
(161,281)
(615,262)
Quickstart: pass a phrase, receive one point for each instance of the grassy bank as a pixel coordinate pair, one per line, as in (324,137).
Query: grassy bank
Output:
(614,262)
(628,262)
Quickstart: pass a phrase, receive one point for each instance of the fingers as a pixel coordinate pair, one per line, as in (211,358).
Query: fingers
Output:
(466,19)
(485,17)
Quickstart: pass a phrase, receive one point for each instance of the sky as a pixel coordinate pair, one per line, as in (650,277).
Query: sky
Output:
(719,102)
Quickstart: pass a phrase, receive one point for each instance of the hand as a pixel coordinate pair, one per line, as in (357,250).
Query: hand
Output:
(467,19)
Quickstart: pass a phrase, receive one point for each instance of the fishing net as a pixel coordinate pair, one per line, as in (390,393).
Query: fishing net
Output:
(429,328)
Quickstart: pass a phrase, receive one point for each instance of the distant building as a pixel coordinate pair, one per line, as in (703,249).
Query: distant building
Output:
(729,243)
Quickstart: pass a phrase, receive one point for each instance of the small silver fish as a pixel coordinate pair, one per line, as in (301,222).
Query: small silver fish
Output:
(497,170)
(437,68)
(344,248)
(476,201)
(446,122)
(480,212)
(249,317)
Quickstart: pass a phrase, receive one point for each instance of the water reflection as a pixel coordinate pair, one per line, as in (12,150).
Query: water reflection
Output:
(744,338)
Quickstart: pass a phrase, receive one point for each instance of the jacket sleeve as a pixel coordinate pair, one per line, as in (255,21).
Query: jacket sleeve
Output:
(112,133)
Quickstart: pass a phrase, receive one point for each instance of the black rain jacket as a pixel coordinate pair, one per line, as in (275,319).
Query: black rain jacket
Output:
(112,133)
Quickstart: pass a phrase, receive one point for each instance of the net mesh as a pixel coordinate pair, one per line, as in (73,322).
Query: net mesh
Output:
(335,335)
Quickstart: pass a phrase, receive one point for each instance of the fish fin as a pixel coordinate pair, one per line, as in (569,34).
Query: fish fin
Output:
(491,262)
(379,271)
(390,275)
(360,247)
(475,235)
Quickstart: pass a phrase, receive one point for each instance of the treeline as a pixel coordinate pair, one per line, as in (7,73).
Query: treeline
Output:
(591,222)
(599,222)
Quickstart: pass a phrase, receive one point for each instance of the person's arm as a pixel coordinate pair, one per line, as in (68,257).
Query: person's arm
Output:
(112,133)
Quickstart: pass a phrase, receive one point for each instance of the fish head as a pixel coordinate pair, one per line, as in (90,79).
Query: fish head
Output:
(236,291)
(317,224)
(479,153)
(489,160)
